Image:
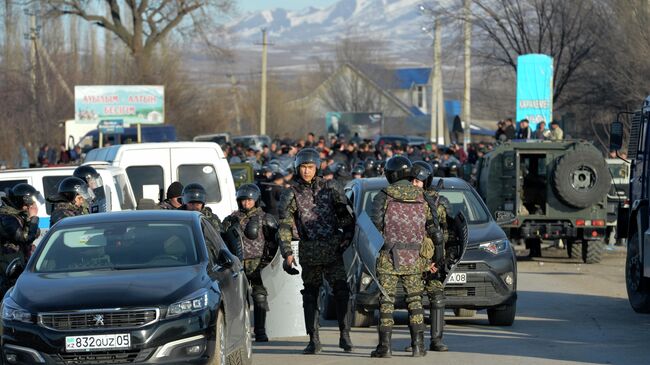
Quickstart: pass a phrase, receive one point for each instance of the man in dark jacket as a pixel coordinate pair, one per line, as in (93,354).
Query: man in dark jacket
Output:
(194,198)
(71,198)
(174,197)
(18,224)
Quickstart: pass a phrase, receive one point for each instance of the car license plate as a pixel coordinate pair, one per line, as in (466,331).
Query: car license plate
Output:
(457,278)
(97,342)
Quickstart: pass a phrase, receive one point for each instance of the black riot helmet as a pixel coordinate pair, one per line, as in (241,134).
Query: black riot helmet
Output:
(437,171)
(89,175)
(307,155)
(72,186)
(343,170)
(193,193)
(422,171)
(398,168)
(358,170)
(23,194)
(453,170)
(248,191)
(330,169)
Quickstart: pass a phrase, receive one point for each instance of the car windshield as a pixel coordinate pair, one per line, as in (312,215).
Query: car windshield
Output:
(459,200)
(118,246)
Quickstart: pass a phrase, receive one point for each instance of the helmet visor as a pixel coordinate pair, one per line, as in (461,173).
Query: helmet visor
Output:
(33,199)
(95,182)
(86,193)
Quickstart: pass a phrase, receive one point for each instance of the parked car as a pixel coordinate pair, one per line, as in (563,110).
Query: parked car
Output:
(152,167)
(485,277)
(219,138)
(256,141)
(148,287)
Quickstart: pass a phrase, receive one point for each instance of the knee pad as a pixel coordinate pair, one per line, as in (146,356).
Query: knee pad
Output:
(438,300)
(260,300)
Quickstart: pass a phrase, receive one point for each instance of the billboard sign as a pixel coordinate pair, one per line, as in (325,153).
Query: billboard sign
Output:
(535,89)
(131,104)
(367,125)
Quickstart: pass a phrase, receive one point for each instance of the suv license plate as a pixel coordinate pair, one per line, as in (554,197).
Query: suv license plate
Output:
(457,278)
(97,342)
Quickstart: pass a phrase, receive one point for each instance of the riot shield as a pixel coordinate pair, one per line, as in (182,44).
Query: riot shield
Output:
(368,242)
(456,244)
(285,317)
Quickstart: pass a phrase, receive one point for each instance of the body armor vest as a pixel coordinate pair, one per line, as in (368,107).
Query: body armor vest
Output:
(317,218)
(253,248)
(404,230)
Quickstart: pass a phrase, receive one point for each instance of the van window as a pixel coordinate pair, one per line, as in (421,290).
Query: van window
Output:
(8,184)
(145,175)
(204,175)
(51,187)
(123,192)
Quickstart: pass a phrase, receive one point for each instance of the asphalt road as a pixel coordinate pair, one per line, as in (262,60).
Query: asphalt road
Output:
(567,313)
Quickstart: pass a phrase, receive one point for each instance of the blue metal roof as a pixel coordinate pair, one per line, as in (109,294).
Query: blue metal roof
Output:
(416,111)
(406,77)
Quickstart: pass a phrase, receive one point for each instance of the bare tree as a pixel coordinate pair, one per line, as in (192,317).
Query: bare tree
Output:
(142,25)
(568,31)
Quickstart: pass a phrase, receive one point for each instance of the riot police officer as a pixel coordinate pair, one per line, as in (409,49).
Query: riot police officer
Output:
(194,198)
(95,184)
(259,246)
(405,220)
(325,227)
(18,224)
(71,198)
(433,285)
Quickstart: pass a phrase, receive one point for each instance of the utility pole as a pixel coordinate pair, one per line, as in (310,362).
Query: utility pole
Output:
(263,96)
(467,115)
(440,106)
(235,98)
(32,36)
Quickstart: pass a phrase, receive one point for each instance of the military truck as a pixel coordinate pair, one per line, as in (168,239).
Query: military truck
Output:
(634,220)
(543,190)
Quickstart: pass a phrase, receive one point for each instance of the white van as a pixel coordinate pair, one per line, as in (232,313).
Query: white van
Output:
(152,167)
(117,189)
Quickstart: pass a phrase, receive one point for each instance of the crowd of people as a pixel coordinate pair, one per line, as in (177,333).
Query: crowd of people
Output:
(506,131)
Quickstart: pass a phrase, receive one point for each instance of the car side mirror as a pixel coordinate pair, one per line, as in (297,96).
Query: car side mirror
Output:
(616,136)
(14,269)
(224,260)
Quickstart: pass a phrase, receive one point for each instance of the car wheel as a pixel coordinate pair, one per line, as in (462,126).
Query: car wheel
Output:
(638,287)
(592,252)
(219,352)
(502,316)
(362,318)
(464,313)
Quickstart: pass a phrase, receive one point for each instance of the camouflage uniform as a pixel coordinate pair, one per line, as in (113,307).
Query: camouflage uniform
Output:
(258,246)
(17,233)
(405,230)
(64,209)
(211,217)
(323,221)
(432,285)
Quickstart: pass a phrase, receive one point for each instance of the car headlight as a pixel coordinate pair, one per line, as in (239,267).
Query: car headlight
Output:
(495,247)
(190,305)
(13,312)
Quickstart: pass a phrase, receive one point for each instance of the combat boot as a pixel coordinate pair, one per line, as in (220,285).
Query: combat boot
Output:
(310,307)
(259,320)
(383,348)
(343,317)
(417,342)
(437,314)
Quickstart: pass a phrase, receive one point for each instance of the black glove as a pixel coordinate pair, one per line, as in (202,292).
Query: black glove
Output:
(289,269)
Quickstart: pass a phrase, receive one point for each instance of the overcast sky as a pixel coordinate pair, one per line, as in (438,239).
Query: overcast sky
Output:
(252,5)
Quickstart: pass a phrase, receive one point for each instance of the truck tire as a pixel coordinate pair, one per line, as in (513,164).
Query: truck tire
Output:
(638,287)
(581,178)
(592,252)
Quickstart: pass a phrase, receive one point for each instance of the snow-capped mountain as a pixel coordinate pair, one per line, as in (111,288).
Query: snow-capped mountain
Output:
(389,20)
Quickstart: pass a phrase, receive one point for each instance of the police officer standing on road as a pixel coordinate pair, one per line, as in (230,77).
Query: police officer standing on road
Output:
(94,181)
(405,220)
(259,246)
(18,224)
(433,286)
(194,198)
(325,226)
(71,198)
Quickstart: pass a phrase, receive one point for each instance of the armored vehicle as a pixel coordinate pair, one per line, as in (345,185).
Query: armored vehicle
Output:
(634,220)
(542,190)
